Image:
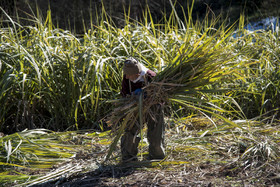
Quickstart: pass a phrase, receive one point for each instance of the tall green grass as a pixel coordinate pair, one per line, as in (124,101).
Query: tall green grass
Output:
(53,79)
(258,95)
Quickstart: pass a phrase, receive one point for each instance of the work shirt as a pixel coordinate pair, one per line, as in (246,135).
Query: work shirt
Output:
(128,86)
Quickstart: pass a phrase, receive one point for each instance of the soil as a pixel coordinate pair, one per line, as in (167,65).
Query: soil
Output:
(181,175)
(212,161)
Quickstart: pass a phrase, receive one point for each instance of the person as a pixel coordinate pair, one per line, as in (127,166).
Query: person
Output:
(135,77)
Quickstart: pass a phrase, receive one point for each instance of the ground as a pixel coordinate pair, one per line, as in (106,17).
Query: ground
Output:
(198,154)
(141,174)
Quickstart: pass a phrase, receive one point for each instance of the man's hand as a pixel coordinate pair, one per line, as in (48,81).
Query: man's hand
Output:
(137,92)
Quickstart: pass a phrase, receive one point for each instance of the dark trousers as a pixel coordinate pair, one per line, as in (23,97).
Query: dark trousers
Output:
(155,135)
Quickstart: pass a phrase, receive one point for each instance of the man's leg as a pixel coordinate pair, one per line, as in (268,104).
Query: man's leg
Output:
(155,122)
(129,143)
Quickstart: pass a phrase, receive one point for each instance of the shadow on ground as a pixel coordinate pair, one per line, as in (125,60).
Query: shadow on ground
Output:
(105,175)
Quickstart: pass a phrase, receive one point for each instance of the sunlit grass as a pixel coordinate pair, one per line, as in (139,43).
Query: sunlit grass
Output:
(50,78)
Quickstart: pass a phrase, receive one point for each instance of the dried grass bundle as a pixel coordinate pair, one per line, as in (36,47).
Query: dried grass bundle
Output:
(183,78)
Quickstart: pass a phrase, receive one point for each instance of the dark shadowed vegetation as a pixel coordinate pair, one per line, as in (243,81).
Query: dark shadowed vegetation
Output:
(80,15)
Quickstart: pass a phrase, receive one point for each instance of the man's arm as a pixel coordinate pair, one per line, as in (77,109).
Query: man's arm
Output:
(125,87)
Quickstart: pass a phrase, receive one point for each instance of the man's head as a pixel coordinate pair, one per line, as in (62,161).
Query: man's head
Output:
(132,69)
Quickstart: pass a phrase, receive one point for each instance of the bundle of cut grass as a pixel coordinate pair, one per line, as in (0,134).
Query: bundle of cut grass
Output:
(191,71)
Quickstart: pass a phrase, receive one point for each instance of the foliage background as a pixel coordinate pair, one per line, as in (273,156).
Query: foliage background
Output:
(78,15)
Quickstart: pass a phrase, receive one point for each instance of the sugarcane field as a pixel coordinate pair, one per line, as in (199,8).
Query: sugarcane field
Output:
(139,93)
